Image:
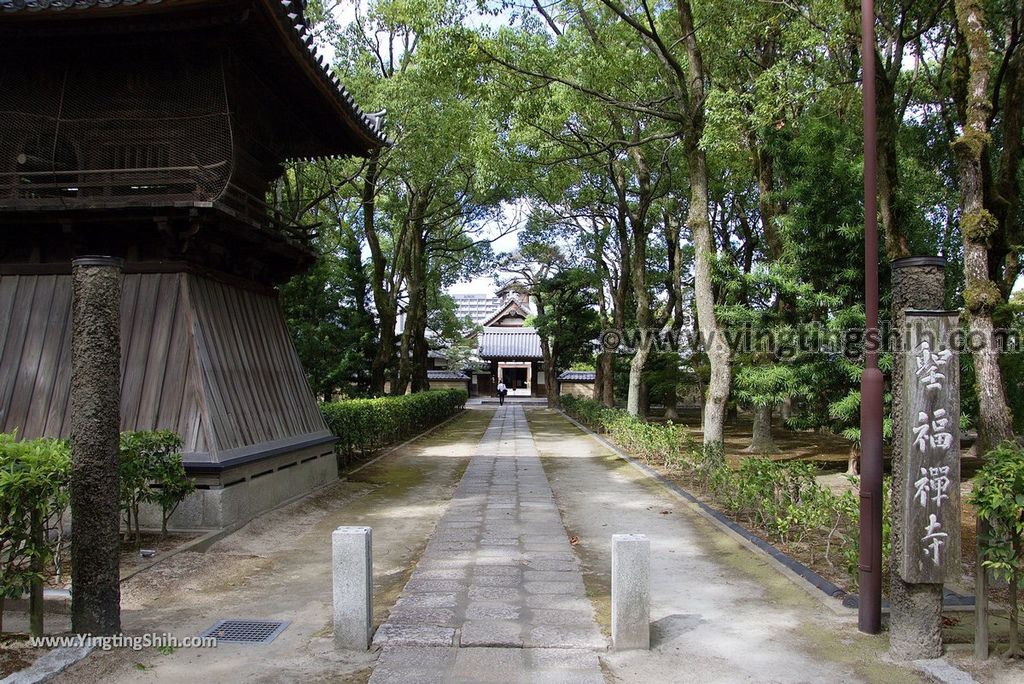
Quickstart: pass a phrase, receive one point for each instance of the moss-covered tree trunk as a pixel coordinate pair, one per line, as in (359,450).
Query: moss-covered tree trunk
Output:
(978,227)
(705,253)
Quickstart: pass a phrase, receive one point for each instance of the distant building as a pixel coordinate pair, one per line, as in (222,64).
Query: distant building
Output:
(508,350)
(476,307)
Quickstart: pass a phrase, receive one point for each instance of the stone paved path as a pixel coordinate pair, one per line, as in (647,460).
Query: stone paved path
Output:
(498,595)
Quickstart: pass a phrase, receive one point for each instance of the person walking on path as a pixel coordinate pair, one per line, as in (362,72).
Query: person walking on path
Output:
(502,391)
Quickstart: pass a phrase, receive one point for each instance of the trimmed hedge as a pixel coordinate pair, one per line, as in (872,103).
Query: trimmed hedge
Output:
(365,425)
(780,498)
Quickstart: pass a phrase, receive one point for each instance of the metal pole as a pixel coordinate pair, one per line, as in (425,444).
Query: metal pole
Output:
(870,606)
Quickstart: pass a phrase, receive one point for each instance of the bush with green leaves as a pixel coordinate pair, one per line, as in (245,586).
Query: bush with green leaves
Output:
(151,471)
(998,496)
(365,425)
(34,479)
(781,498)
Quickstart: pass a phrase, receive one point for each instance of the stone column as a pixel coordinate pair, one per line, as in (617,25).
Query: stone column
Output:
(95,434)
(915,620)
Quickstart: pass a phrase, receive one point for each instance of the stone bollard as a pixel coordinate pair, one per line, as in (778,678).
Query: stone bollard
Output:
(631,592)
(352,560)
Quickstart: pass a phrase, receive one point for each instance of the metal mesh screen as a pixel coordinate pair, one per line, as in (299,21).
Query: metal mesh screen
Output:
(113,130)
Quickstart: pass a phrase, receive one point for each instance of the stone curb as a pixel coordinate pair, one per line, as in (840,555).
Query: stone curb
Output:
(49,665)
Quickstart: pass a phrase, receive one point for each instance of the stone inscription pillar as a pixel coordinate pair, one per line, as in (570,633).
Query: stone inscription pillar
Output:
(916,615)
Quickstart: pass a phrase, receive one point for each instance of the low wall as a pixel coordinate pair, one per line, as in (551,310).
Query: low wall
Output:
(258,488)
(584,390)
(449,384)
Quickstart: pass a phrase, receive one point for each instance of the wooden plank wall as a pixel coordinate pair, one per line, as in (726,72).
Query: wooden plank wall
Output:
(158,365)
(212,362)
(255,388)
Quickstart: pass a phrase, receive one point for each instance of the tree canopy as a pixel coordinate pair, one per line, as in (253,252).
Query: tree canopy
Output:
(688,166)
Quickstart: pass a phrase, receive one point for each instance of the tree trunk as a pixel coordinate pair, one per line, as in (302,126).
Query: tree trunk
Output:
(853,460)
(703,242)
(598,377)
(761,441)
(551,383)
(608,380)
(412,368)
(645,399)
(385,352)
(978,225)
(671,405)
(786,410)
(893,220)
(717,349)
(634,403)
(36,587)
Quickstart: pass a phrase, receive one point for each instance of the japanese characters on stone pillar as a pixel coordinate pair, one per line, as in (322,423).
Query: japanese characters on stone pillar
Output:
(931,400)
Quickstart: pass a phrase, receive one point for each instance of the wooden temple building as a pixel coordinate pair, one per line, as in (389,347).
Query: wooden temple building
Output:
(153,131)
(508,349)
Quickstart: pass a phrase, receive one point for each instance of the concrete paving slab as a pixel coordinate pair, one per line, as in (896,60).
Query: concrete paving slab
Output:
(521,585)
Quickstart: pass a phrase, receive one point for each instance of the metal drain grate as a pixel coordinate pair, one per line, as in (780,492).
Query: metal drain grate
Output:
(246,631)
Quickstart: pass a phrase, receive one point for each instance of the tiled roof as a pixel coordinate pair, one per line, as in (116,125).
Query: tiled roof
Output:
(577,376)
(446,375)
(510,343)
(509,308)
(289,13)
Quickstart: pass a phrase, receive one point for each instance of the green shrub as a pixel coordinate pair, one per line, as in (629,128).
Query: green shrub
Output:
(34,477)
(998,495)
(364,425)
(151,472)
(169,484)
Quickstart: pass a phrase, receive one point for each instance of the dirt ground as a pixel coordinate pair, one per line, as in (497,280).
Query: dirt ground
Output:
(16,654)
(278,567)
